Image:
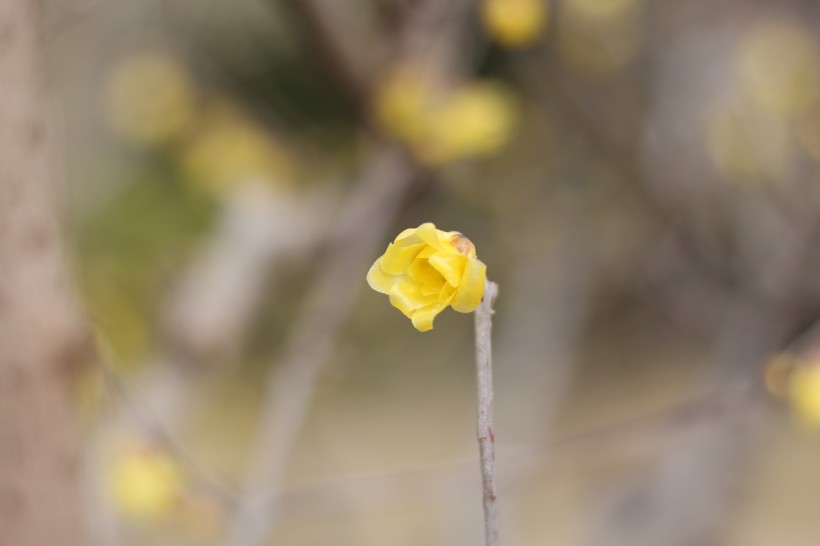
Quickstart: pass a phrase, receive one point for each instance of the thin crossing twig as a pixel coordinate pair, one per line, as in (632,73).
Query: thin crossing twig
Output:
(486,437)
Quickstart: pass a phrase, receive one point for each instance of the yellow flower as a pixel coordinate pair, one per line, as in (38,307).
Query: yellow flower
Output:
(425,269)
(145,483)
(476,121)
(804,393)
(514,23)
(440,126)
(404,102)
(229,149)
(151,98)
(777,67)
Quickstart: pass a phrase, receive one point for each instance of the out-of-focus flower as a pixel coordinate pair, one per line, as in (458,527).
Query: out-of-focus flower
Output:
(777,65)
(144,482)
(804,393)
(404,101)
(749,146)
(151,98)
(228,149)
(514,23)
(476,121)
(425,270)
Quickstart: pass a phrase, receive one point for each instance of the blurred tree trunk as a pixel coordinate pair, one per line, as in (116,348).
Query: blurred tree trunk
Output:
(41,334)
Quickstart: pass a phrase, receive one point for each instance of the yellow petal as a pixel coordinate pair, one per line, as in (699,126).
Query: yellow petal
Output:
(423,318)
(406,234)
(379,280)
(436,238)
(426,253)
(451,266)
(425,275)
(471,288)
(397,259)
(406,296)
(447,294)
(432,290)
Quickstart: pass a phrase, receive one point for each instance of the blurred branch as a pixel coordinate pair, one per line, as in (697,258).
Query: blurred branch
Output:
(339,48)
(205,319)
(259,229)
(313,337)
(622,156)
(688,491)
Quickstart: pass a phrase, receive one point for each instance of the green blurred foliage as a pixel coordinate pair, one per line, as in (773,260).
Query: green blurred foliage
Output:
(130,250)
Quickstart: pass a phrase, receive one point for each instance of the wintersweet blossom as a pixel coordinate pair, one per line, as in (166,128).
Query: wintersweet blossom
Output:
(425,270)
(444,125)
(144,482)
(804,393)
(514,23)
(477,120)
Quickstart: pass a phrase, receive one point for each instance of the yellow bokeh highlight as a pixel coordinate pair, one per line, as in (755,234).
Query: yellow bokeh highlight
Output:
(749,146)
(425,270)
(404,101)
(777,67)
(475,120)
(804,394)
(514,23)
(150,98)
(144,483)
(229,149)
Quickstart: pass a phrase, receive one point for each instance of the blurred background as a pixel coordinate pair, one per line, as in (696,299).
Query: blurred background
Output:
(642,179)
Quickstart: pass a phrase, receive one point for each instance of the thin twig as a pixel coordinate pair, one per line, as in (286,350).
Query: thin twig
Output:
(486,438)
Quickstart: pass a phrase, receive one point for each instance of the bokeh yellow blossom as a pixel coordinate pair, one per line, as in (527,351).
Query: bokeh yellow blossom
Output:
(476,121)
(144,482)
(777,65)
(151,98)
(749,146)
(514,23)
(804,393)
(425,270)
(404,101)
(229,149)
